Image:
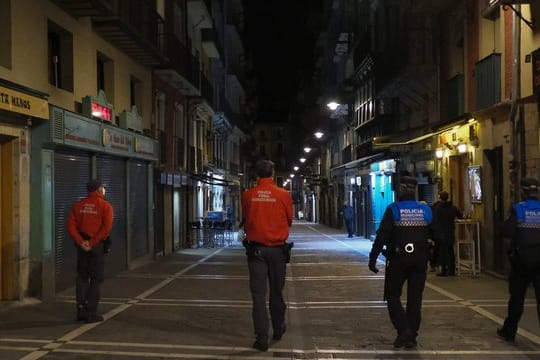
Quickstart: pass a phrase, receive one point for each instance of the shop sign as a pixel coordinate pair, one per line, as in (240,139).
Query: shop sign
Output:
(177,180)
(80,132)
(116,140)
(97,107)
(21,103)
(145,146)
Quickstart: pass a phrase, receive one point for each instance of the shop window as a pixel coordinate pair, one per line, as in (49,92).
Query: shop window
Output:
(60,57)
(105,76)
(5,33)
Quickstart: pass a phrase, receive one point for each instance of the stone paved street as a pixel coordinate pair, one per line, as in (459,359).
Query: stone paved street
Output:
(195,304)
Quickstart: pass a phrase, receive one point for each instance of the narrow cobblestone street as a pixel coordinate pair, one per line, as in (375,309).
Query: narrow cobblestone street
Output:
(195,304)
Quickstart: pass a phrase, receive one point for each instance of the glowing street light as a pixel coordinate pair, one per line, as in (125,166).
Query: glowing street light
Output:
(307,149)
(319,134)
(296,168)
(302,160)
(332,105)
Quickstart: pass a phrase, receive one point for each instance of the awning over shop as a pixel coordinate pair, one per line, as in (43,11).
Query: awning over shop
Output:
(358,163)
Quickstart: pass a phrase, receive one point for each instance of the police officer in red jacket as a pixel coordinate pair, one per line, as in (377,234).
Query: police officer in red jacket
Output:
(89,224)
(523,228)
(405,229)
(267,211)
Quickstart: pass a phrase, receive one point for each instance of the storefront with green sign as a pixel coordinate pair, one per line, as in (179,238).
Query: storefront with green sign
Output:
(72,149)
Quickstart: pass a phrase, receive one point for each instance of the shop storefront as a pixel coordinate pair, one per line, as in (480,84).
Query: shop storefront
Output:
(67,153)
(21,109)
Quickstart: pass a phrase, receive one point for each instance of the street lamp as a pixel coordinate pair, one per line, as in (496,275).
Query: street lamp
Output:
(302,160)
(319,134)
(332,105)
(307,149)
(296,168)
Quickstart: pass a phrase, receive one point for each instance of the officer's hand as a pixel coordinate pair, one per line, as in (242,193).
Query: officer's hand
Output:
(373,266)
(86,246)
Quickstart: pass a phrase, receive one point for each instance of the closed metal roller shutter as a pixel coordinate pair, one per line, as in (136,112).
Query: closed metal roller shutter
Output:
(112,171)
(138,208)
(71,173)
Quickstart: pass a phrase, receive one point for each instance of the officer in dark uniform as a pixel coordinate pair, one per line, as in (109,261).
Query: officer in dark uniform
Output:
(404,231)
(523,228)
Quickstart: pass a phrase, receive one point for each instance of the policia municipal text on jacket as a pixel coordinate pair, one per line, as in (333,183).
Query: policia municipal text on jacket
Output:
(523,228)
(404,232)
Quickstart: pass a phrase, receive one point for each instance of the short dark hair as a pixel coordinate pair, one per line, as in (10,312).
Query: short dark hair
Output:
(94,184)
(443,195)
(264,168)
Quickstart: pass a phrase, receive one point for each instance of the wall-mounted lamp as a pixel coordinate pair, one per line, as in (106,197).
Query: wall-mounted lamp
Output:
(296,168)
(462,148)
(307,149)
(439,153)
(319,134)
(292,175)
(302,160)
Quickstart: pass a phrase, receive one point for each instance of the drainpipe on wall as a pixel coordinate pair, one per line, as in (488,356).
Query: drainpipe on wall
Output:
(517,139)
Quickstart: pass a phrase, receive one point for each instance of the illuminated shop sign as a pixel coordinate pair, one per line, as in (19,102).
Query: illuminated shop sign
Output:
(98,107)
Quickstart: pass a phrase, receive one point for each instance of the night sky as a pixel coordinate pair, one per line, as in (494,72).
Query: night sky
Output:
(280,35)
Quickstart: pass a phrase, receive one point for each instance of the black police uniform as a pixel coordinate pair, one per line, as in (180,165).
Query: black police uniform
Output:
(404,230)
(523,227)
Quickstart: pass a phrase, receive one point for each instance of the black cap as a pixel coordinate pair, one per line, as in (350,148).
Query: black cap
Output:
(529,184)
(93,185)
(408,181)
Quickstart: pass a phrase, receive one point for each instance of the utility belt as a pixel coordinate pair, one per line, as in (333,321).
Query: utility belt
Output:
(253,248)
(407,249)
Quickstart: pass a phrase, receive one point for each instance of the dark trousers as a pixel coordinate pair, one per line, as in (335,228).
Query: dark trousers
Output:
(519,280)
(447,257)
(90,275)
(396,274)
(350,227)
(267,267)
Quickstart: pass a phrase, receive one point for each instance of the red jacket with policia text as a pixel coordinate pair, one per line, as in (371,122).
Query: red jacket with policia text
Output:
(267,210)
(92,216)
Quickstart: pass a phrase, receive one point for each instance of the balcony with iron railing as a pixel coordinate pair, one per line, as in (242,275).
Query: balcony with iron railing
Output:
(487,75)
(83,8)
(182,69)
(134,26)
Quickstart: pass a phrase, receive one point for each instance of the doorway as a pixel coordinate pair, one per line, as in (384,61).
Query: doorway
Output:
(456,187)
(7,248)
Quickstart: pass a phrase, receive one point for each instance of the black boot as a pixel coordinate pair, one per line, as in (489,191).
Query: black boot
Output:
(279,333)
(82,314)
(261,343)
(506,335)
(93,318)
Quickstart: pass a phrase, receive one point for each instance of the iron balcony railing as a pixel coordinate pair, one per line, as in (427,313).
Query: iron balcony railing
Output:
(181,60)
(135,27)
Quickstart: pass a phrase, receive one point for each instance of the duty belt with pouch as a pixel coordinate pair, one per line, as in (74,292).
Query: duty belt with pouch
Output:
(252,249)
